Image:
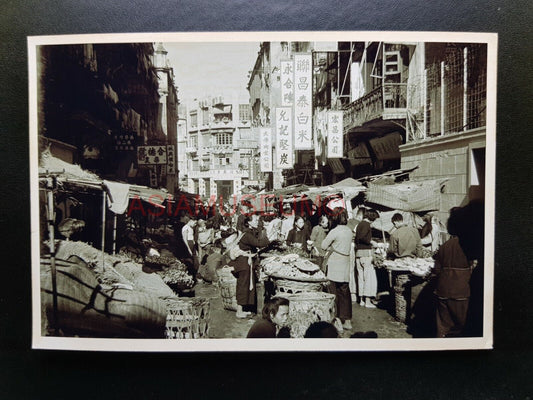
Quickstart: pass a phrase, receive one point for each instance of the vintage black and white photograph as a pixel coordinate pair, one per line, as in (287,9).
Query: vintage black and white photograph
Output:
(202,191)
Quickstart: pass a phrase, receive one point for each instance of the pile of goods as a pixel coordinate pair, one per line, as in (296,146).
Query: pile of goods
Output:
(292,267)
(174,273)
(112,270)
(159,262)
(309,307)
(281,249)
(380,254)
(417,266)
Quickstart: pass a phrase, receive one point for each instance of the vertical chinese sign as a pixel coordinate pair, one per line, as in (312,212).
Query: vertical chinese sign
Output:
(287,83)
(303,102)
(335,134)
(266,149)
(284,147)
(171,160)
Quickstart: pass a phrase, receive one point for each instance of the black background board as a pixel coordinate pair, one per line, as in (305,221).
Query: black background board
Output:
(503,373)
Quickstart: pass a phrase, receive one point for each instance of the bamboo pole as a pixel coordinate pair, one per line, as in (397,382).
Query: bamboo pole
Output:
(104,194)
(114,234)
(50,184)
(465,89)
(442,98)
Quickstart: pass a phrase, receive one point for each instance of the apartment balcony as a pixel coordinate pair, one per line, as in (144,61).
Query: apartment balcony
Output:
(386,102)
(191,150)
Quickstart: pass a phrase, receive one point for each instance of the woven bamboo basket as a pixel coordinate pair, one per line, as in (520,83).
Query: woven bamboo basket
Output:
(187,318)
(294,287)
(400,301)
(308,307)
(228,291)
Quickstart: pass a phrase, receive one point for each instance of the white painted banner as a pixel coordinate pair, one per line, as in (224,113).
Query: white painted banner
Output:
(287,83)
(303,102)
(266,149)
(284,133)
(335,136)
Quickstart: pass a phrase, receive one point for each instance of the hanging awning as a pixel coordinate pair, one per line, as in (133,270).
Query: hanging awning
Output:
(71,174)
(407,196)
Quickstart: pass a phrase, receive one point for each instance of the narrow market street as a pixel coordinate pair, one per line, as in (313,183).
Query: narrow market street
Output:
(224,323)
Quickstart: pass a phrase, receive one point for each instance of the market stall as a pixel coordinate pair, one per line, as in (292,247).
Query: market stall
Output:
(290,274)
(406,275)
(148,284)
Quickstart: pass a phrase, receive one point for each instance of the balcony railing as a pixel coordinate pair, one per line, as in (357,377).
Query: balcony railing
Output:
(191,149)
(383,102)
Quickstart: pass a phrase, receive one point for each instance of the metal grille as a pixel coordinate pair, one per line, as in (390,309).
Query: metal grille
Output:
(457,91)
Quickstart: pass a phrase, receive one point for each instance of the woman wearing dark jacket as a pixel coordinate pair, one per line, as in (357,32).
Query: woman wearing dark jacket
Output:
(243,265)
(366,274)
(298,235)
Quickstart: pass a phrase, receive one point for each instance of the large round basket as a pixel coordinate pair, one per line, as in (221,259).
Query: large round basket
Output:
(308,307)
(187,318)
(294,287)
(228,290)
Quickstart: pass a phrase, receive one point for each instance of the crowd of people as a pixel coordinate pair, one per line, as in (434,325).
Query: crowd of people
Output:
(333,240)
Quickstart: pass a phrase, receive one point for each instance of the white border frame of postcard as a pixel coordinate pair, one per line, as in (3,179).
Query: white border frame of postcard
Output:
(484,342)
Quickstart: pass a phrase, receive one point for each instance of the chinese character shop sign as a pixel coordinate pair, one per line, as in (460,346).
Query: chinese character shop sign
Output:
(335,137)
(287,82)
(151,155)
(171,160)
(303,102)
(284,133)
(266,149)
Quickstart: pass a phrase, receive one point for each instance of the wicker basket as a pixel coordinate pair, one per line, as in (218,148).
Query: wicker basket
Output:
(228,290)
(295,287)
(187,318)
(308,307)
(400,300)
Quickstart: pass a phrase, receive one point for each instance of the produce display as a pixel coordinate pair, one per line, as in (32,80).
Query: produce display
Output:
(178,277)
(175,273)
(417,266)
(292,266)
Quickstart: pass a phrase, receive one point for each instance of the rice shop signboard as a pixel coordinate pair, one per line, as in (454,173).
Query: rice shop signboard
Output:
(151,155)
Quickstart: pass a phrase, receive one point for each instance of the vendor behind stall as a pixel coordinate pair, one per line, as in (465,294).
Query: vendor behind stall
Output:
(405,240)
(298,235)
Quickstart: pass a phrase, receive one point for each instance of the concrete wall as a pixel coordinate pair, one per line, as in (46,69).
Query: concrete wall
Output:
(445,156)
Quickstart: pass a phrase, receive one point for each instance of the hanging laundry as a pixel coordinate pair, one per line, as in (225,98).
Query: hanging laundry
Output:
(117,196)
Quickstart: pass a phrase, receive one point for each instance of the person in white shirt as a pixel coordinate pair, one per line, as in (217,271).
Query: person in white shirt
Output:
(187,233)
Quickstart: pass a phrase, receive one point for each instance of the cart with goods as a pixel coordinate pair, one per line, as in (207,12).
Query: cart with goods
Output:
(400,271)
(292,274)
(306,308)
(187,318)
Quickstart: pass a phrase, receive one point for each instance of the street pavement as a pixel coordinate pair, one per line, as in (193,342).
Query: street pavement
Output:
(224,324)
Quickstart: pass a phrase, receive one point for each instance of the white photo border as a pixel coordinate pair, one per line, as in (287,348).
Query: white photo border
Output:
(263,345)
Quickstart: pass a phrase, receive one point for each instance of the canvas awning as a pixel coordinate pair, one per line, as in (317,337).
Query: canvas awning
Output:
(75,175)
(407,196)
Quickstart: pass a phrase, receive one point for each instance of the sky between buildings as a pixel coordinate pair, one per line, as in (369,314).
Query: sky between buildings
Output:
(211,69)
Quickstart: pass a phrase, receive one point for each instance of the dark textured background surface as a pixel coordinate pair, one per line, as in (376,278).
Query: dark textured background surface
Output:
(503,373)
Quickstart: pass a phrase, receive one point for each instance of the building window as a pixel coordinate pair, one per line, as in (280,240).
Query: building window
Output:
(205,117)
(224,138)
(222,160)
(245,112)
(194,119)
(193,141)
